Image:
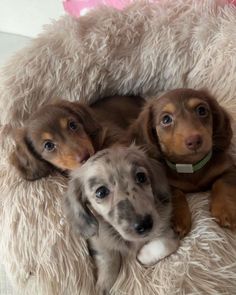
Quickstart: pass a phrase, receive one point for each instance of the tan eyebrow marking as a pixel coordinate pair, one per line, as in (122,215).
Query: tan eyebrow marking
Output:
(169,108)
(46,136)
(63,122)
(193,102)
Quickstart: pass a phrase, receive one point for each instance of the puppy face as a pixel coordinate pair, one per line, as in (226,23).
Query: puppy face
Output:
(60,134)
(184,125)
(121,187)
(59,137)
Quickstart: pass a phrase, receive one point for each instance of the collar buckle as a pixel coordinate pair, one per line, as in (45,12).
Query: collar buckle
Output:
(184,168)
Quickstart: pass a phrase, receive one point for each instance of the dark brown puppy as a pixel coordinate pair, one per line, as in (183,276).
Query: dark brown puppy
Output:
(193,133)
(65,134)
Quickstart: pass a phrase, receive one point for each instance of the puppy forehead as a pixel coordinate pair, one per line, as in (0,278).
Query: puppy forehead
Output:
(48,121)
(63,122)
(169,108)
(47,136)
(51,114)
(192,102)
(106,170)
(177,102)
(112,166)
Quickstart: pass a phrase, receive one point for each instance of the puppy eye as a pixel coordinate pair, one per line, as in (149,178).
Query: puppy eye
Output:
(102,192)
(166,120)
(49,146)
(73,125)
(141,177)
(202,111)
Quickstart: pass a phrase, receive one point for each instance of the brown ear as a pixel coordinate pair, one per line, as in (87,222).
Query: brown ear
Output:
(77,212)
(222,130)
(26,161)
(143,129)
(160,186)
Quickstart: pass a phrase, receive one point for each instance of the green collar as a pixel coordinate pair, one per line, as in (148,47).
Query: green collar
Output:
(189,168)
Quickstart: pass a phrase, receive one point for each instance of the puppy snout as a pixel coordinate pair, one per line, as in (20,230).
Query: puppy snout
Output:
(194,142)
(144,225)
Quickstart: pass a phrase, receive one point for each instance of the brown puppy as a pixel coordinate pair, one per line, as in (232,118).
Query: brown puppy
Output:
(65,134)
(193,133)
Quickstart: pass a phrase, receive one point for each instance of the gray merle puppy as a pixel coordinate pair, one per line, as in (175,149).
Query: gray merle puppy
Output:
(120,201)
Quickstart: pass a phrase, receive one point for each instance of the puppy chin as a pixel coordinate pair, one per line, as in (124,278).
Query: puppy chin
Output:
(134,237)
(188,157)
(197,156)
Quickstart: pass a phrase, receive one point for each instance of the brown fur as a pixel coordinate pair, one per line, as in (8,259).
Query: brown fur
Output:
(97,127)
(215,134)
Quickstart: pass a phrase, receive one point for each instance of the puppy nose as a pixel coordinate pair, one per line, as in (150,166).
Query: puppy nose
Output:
(144,225)
(193,142)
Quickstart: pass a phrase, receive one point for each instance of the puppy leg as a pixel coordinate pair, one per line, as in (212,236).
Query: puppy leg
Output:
(181,215)
(108,266)
(158,249)
(223,200)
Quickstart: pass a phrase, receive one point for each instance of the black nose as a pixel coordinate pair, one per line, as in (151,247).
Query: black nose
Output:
(193,142)
(144,225)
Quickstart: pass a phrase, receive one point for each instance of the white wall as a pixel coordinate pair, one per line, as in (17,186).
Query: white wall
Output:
(26,17)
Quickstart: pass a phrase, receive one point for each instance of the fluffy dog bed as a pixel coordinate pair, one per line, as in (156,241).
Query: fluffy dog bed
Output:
(145,49)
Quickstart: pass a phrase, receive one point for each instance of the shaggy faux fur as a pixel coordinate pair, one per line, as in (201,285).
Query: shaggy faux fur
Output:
(146,49)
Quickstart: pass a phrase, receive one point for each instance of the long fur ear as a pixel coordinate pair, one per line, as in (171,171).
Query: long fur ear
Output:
(160,186)
(77,212)
(26,161)
(222,130)
(143,129)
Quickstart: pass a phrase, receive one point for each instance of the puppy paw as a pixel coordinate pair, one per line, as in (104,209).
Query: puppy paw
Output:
(181,224)
(224,214)
(156,250)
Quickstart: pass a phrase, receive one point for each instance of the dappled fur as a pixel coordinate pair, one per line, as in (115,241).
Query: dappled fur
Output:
(129,216)
(145,49)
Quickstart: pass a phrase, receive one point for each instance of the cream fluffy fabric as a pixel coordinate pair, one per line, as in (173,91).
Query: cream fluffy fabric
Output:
(146,49)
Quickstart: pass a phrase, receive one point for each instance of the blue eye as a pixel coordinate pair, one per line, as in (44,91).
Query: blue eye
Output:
(102,192)
(202,111)
(73,125)
(141,177)
(49,146)
(166,120)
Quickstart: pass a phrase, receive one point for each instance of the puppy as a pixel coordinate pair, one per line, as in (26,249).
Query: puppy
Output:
(120,201)
(193,133)
(65,134)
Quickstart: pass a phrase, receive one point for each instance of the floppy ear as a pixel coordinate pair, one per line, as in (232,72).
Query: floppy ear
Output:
(222,130)
(159,183)
(143,130)
(25,159)
(77,212)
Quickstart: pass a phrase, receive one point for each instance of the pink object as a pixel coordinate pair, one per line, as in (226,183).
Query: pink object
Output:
(80,7)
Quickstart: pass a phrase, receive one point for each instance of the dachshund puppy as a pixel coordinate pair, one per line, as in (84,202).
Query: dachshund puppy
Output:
(120,201)
(193,133)
(65,134)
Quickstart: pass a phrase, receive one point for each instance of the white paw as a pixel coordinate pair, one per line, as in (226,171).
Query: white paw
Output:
(156,250)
